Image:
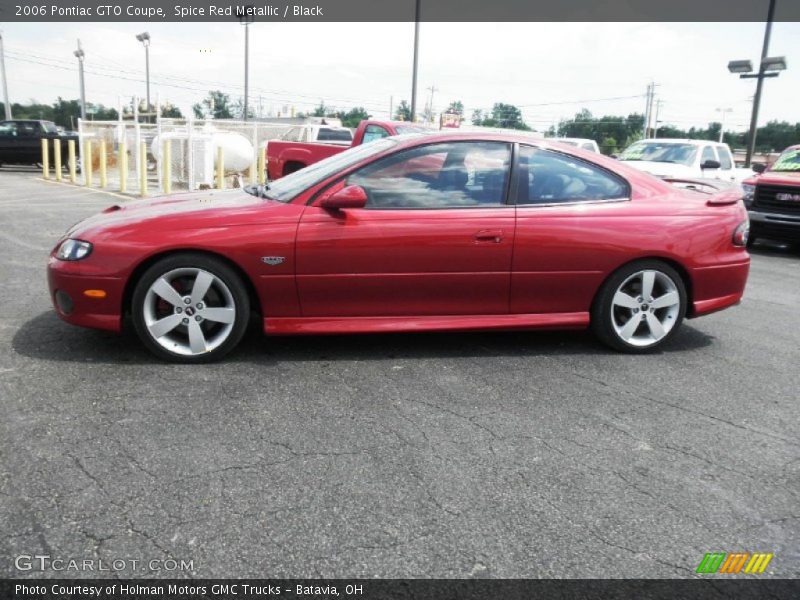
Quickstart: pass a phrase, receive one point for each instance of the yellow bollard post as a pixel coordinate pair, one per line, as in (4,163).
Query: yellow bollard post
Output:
(166,167)
(262,166)
(87,163)
(103,177)
(71,159)
(122,161)
(143,170)
(220,168)
(45,160)
(57,158)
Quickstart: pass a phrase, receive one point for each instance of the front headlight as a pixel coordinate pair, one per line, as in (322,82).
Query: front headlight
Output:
(749,192)
(73,250)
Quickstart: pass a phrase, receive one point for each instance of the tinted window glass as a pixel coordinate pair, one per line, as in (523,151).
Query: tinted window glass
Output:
(8,128)
(374,132)
(708,154)
(549,177)
(326,134)
(454,174)
(27,129)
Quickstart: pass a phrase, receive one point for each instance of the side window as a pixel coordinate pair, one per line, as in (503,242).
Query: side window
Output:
(374,132)
(27,129)
(8,129)
(549,178)
(447,175)
(724,158)
(708,154)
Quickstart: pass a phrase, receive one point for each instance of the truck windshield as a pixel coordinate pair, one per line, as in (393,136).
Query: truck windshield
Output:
(788,161)
(286,188)
(661,152)
(403,129)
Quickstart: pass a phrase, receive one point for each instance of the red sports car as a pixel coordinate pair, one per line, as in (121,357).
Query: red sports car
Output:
(413,233)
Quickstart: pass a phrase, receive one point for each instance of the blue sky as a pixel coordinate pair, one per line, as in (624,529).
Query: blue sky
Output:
(551,70)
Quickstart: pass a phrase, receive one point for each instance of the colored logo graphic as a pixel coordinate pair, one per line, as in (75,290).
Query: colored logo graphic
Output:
(734,562)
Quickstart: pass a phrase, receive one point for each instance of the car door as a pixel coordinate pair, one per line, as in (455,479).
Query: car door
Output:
(435,237)
(8,132)
(568,234)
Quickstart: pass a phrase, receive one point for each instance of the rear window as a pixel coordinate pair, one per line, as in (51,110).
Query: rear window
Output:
(326,134)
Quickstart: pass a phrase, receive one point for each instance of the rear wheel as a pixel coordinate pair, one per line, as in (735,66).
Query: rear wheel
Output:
(640,306)
(190,308)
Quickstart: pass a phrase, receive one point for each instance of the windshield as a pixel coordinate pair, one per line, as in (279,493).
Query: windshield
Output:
(286,188)
(788,161)
(661,152)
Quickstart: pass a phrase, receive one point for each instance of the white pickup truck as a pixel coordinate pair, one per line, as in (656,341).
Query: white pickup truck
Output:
(684,159)
(319,132)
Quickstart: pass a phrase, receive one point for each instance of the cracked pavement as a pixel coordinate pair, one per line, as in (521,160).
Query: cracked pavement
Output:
(428,455)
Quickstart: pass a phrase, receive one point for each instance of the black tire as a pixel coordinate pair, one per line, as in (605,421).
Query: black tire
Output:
(602,316)
(216,267)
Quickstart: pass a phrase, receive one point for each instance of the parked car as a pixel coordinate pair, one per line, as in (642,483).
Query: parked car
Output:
(411,233)
(21,141)
(314,132)
(773,199)
(582,143)
(285,157)
(694,159)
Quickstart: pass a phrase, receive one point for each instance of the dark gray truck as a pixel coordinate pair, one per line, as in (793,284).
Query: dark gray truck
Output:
(21,142)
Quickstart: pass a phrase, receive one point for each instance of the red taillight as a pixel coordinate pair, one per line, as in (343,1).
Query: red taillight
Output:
(741,233)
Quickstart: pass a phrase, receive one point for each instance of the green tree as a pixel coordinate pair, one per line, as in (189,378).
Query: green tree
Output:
(403,111)
(609,146)
(353,117)
(504,116)
(456,108)
(170,111)
(216,104)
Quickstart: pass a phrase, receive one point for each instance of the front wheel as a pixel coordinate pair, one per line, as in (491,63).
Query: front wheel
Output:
(640,306)
(190,308)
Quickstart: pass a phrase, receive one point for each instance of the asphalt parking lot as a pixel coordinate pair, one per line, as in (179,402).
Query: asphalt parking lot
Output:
(446,455)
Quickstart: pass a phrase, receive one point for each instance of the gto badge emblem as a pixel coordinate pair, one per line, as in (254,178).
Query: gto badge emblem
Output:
(273,260)
(790,197)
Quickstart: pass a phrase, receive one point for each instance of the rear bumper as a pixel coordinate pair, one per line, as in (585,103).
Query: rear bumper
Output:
(775,225)
(718,287)
(67,286)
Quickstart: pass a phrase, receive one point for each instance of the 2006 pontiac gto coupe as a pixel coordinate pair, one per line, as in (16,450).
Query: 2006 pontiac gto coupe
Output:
(436,232)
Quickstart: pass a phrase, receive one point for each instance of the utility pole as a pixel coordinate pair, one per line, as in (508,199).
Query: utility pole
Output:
(246,65)
(79,54)
(432,90)
(416,60)
(724,111)
(5,81)
(144,37)
(647,110)
(391,106)
(658,112)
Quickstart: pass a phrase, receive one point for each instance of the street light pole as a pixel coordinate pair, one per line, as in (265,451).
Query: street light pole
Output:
(246,67)
(722,125)
(5,81)
(144,37)
(79,54)
(416,60)
(751,145)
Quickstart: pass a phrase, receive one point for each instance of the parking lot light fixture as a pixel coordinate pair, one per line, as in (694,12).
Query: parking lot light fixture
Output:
(740,66)
(772,64)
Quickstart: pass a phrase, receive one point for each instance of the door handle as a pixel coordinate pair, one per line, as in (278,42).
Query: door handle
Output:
(492,236)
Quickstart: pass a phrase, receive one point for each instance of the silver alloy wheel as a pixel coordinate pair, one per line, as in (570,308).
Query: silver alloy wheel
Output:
(189,311)
(645,308)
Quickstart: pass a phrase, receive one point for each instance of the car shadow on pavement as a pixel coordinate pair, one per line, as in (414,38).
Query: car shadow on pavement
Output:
(47,337)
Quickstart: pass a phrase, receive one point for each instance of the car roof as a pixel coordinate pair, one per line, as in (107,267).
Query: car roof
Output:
(682,141)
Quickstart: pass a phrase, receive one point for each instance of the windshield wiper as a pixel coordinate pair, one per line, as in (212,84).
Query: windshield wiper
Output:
(258,190)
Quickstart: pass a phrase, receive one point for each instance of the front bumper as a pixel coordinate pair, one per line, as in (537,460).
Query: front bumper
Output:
(68,283)
(774,225)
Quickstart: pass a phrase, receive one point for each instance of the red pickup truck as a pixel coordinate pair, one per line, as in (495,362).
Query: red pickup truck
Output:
(287,157)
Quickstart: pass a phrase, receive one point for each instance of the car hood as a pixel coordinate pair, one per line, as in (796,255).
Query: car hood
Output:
(662,169)
(789,178)
(183,211)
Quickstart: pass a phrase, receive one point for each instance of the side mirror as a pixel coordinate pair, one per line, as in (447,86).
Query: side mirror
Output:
(758,167)
(710,164)
(352,196)
(614,155)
